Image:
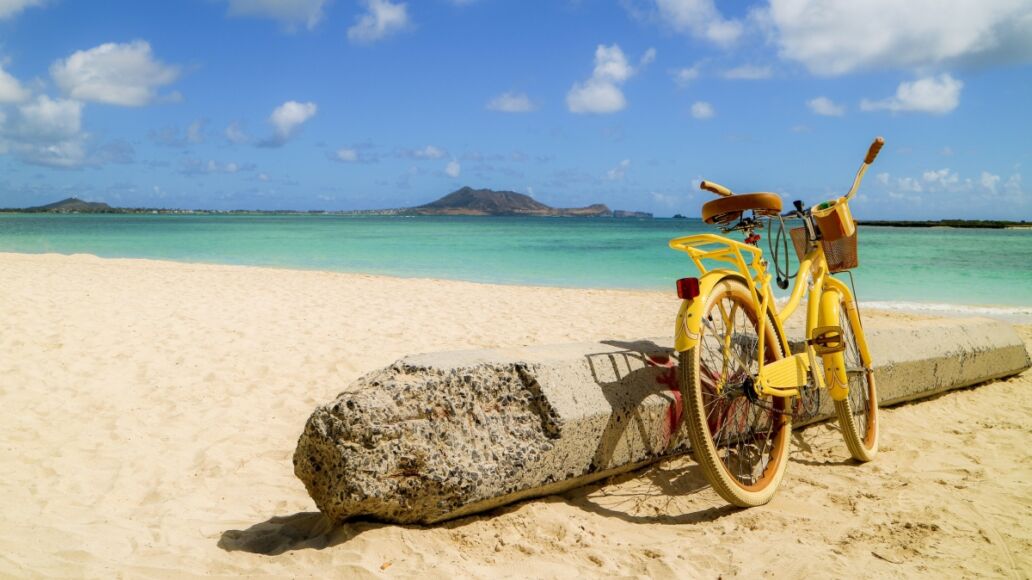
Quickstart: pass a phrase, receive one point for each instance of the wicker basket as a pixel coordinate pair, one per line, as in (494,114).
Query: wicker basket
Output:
(841,253)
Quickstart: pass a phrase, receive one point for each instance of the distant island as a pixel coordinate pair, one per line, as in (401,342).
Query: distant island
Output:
(462,202)
(71,205)
(488,202)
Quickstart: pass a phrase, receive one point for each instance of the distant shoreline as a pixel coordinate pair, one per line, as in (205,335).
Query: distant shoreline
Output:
(984,224)
(957,224)
(618,214)
(465,201)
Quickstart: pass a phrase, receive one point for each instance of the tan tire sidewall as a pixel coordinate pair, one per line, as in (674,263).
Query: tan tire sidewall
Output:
(859,449)
(698,428)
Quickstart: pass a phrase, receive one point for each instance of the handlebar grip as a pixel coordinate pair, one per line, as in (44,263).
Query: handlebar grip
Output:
(873,151)
(715,188)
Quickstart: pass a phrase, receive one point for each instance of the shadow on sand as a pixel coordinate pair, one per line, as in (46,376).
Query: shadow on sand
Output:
(303,530)
(656,494)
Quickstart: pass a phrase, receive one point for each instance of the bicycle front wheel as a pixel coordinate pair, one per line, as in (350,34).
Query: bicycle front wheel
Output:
(858,413)
(740,438)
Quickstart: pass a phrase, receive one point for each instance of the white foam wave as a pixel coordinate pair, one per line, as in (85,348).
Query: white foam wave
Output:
(1010,313)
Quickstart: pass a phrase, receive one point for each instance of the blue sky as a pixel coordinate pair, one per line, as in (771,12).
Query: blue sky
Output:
(356,104)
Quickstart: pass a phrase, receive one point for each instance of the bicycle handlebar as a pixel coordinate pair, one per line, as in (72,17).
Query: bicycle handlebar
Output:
(715,188)
(873,151)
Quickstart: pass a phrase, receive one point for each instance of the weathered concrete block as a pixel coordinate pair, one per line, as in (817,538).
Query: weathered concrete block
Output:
(440,435)
(434,433)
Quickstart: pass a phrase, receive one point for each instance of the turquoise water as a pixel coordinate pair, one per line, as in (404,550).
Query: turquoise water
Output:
(911,265)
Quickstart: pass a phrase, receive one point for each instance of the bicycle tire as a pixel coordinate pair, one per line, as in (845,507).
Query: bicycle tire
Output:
(857,413)
(760,426)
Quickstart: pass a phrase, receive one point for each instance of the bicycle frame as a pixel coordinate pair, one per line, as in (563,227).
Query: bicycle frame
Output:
(782,378)
(737,387)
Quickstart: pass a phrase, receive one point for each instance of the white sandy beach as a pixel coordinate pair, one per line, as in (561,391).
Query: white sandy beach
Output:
(149,412)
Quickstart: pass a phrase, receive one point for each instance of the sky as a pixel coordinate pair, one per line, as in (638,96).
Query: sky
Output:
(363,104)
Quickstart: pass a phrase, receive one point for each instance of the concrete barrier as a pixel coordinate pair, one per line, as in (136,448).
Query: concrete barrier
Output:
(442,435)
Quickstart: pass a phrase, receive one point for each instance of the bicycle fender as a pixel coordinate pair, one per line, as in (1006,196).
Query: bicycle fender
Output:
(834,364)
(689,316)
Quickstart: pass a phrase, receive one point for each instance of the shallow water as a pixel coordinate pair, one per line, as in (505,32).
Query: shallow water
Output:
(916,268)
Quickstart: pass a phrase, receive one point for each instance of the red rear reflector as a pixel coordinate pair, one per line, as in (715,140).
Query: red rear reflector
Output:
(687,288)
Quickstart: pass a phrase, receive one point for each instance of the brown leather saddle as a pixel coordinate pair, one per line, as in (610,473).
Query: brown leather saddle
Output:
(730,208)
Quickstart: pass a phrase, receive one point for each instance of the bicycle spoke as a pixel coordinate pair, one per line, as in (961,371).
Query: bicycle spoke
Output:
(742,428)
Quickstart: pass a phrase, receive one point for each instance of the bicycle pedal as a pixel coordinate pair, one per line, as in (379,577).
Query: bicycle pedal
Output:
(827,340)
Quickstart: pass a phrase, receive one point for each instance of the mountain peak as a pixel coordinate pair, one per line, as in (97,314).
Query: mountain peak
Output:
(73,204)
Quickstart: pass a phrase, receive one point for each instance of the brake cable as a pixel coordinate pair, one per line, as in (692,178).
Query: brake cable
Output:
(775,253)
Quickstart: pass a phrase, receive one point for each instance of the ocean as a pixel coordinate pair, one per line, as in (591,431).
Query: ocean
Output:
(977,271)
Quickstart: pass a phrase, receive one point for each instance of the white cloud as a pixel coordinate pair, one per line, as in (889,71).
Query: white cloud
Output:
(748,72)
(211,167)
(347,155)
(66,154)
(670,200)
(684,76)
(172,137)
(46,131)
(235,133)
(826,107)
(195,132)
(647,58)
(428,152)
(951,189)
(287,118)
(832,37)
(611,65)
(1013,186)
(511,103)
(617,173)
(989,181)
(380,19)
(941,178)
(46,119)
(601,93)
(938,95)
(116,74)
(701,19)
(290,13)
(453,168)
(595,97)
(702,110)
(10,8)
(909,184)
(11,91)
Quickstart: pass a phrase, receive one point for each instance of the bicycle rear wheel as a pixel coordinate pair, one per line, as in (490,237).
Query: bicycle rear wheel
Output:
(858,413)
(739,438)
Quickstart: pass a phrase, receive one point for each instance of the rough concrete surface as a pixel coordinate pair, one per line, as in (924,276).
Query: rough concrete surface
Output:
(440,435)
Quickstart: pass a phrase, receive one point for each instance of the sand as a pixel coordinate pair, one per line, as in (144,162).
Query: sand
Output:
(149,411)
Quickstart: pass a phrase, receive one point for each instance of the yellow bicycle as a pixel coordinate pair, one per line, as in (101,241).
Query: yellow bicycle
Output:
(740,382)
